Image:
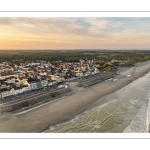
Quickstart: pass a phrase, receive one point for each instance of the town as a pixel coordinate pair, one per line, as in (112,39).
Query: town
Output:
(21,74)
(32,76)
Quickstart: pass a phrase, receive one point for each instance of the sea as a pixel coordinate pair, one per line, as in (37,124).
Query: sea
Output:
(125,111)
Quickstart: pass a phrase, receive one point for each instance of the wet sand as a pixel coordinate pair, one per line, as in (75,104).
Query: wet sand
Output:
(40,118)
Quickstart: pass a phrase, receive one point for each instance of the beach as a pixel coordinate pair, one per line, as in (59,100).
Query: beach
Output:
(39,119)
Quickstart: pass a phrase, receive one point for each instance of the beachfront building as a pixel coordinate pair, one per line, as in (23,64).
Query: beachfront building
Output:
(44,81)
(32,84)
(21,89)
(8,75)
(36,75)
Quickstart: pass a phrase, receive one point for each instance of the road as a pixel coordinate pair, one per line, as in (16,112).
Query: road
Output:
(31,97)
(26,94)
(12,100)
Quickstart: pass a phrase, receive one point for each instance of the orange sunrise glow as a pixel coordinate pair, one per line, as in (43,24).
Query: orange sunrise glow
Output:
(74,33)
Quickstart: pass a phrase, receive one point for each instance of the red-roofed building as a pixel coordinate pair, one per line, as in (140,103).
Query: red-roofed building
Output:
(8,75)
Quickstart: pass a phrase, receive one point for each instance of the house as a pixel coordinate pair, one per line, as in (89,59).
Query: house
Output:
(2,70)
(33,86)
(21,89)
(87,73)
(35,64)
(8,75)
(22,80)
(44,82)
(60,79)
(10,80)
(2,84)
(64,70)
(9,85)
(49,81)
(11,92)
(5,93)
(32,83)
(38,83)
(42,73)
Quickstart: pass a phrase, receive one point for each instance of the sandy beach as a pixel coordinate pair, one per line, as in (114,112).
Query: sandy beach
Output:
(40,118)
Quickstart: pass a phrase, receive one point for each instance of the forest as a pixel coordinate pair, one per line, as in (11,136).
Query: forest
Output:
(102,57)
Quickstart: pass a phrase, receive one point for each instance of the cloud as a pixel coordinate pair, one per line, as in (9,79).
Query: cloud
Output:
(76,26)
(75,32)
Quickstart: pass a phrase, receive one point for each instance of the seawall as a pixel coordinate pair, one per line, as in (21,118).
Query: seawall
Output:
(34,101)
(95,80)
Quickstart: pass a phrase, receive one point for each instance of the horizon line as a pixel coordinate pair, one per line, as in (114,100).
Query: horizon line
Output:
(82,49)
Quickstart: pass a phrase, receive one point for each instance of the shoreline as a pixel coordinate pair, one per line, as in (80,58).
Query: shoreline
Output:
(41,118)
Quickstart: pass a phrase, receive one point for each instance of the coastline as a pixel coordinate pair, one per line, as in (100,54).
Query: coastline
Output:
(39,119)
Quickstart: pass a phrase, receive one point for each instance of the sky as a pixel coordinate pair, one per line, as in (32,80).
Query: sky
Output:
(75,33)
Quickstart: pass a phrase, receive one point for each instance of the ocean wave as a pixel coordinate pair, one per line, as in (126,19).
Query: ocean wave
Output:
(126,110)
